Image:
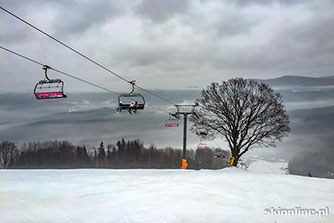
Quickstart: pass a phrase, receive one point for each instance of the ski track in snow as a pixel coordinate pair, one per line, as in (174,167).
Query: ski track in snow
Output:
(91,195)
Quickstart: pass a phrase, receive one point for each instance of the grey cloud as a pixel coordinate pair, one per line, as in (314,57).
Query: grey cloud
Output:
(70,17)
(13,31)
(304,49)
(269,2)
(161,10)
(141,55)
(232,25)
(76,17)
(317,35)
(209,40)
(225,24)
(305,46)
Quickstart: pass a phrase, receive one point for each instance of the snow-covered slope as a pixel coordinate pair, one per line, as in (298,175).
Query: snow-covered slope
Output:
(266,167)
(229,195)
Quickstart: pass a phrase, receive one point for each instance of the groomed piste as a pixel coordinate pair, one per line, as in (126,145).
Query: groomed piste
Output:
(228,195)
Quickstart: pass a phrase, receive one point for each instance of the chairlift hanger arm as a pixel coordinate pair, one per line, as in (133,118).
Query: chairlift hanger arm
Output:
(133,83)
(45,68)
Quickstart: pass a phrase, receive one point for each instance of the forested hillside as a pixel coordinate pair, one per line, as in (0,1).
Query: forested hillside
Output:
(124,154)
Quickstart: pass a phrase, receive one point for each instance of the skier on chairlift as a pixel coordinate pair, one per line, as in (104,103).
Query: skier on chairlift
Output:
(132,108)
(136,105)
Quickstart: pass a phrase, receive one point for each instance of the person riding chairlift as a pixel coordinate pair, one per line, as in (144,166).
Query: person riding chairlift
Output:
(133,107)
(136,105)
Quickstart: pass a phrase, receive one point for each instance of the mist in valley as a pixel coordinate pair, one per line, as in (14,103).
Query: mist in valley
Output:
(89,118)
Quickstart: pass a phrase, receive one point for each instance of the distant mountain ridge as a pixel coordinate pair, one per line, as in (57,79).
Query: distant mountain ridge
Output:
(298,81)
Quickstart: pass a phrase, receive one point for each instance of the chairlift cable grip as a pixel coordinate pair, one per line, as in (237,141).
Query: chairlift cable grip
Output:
(45,68)
(133,83)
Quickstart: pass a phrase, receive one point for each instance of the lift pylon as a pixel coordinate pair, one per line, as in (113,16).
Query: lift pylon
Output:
(184,110)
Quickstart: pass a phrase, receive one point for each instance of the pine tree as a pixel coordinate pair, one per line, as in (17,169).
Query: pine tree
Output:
(101,156)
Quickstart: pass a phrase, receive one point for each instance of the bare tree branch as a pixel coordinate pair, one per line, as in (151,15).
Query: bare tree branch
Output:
(246,113)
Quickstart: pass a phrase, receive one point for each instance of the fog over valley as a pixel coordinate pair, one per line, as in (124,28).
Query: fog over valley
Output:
(89,118)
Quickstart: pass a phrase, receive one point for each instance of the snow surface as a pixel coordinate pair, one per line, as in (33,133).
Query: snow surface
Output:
(266,167)
(97,195)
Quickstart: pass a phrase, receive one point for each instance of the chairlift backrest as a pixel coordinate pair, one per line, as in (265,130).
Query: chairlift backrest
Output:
(132,100)
(49,88)
(125,100)
(171,123)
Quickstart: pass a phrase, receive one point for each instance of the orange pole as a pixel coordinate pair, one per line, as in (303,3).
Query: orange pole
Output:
(184,164)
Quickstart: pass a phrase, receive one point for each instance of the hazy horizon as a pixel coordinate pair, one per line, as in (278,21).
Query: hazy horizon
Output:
(89,118)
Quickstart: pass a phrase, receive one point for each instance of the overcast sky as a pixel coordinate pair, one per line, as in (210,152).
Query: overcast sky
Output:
(167,44)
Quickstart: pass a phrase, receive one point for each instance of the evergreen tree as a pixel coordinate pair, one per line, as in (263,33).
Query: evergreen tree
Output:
(8,153)
(101,156)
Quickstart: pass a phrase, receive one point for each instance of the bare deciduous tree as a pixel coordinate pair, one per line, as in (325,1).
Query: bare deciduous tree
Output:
(7,154)
(245,112)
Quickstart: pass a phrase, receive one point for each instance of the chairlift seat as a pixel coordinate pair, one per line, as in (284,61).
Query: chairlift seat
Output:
(172,123)
(124,101)
(49,89)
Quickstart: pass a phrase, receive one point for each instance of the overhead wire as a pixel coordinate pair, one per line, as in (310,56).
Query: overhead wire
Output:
(69,75)
(58,71)
(84,56)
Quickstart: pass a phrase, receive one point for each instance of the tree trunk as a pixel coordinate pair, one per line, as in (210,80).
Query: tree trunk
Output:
(234,152)
(235,163)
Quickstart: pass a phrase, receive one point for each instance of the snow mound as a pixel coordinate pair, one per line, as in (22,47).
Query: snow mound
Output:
(265,167)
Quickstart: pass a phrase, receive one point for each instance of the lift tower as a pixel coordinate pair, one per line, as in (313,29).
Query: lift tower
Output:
(184,110)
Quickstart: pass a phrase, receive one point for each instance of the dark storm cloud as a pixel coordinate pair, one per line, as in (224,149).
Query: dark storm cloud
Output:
(161,10)
(182,43)
(68,17)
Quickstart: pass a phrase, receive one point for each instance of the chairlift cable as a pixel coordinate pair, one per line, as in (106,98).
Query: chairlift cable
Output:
(69,75)
(60,42)
(20,55)
(58,71)
(84,56)
(82,80)
(155,107)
